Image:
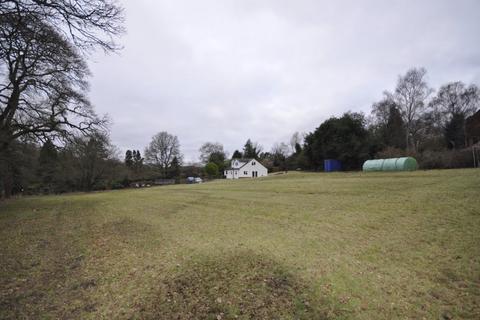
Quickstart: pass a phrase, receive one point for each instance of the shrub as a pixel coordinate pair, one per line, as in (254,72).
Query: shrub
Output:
(211,169)
(447,159)
(391,152)
(429,159)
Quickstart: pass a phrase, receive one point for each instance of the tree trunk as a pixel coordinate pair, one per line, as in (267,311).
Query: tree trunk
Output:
(407,140)
(7,184)
(6,138)
(6,171)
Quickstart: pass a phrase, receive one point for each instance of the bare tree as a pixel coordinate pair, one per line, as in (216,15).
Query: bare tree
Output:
(453,103)
(411,96)
(296,139)
(161,151)
(280,149)
(44,92)
(43,74)
(456,99)
(43,85)
(88,23)
(209,148)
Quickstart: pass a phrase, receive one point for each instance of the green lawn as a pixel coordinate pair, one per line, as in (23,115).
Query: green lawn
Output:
(294,246)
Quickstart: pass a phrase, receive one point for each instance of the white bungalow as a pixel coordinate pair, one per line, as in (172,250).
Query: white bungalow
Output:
(245,168)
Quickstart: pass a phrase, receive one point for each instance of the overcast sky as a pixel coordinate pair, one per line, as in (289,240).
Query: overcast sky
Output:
(230,70)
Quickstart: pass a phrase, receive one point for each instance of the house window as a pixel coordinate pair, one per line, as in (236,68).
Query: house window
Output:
(245,172)
(253,163)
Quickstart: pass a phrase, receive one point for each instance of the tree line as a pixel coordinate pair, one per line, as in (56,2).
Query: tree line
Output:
(412,120)
(51,139)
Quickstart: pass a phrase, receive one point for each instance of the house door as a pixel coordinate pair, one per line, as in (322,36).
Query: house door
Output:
(253,174)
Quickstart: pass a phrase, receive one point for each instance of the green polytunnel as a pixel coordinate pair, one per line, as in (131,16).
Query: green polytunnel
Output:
(393,164)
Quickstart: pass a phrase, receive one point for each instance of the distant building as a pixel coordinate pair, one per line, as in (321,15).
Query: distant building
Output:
(245,168)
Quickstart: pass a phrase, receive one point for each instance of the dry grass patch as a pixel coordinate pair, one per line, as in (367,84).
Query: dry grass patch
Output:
(240,286)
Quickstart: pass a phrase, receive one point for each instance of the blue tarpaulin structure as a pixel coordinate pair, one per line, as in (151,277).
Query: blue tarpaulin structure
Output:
(331,165)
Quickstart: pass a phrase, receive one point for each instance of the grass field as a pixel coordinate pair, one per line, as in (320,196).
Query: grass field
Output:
(294,246)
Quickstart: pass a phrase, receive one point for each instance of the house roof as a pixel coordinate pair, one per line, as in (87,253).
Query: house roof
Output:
(244,161)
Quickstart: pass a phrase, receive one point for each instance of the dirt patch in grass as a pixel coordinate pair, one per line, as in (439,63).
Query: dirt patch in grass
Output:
(61,264)
(54,287)
(125,227)
(240,286)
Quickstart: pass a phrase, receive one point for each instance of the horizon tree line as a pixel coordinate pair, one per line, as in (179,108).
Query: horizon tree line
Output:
(413,119)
